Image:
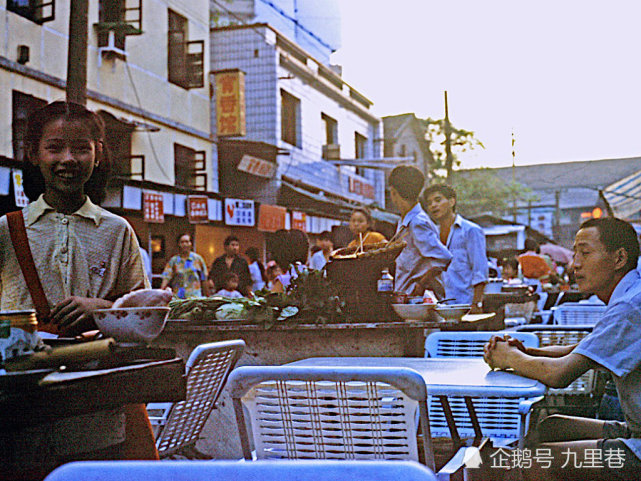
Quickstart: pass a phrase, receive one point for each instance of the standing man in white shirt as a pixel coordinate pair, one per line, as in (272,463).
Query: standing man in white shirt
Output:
(467,275)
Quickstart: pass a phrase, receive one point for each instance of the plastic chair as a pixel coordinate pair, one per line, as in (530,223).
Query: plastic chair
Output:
(207,370)
(338,413)
(577,313)
(502,420)
(468,343)
(235,471)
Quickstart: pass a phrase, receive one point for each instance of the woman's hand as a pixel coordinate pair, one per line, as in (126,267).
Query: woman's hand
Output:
(74,314)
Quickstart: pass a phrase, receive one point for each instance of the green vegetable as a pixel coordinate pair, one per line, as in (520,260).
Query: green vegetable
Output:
(231,311)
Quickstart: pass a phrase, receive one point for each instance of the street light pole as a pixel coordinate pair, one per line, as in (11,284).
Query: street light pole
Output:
(449,161)
(77,52)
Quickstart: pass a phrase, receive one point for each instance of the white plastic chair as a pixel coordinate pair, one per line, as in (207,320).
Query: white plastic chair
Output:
(502,420)
(338,413)
(235,471)
(207,370)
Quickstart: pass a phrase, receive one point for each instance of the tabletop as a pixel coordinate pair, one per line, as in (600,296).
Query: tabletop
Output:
(447,376)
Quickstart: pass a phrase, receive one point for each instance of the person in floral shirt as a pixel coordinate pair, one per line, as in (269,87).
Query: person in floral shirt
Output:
(186,272)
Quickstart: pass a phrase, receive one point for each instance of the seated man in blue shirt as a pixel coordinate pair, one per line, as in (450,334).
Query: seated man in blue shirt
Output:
(467,275)
(605,258)
(420,263)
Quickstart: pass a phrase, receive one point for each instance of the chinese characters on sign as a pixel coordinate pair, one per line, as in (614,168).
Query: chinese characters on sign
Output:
(256,166)
(152,206)
(299,221)
(197,209)
(524,458)
(271,217)
(361,187)
(230,103)
(239,212)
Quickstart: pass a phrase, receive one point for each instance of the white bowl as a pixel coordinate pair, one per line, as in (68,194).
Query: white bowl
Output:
(132,324)
(453,312)
(414,312)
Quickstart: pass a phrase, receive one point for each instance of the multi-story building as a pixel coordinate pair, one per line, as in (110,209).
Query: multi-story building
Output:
(146,78)
(314,133)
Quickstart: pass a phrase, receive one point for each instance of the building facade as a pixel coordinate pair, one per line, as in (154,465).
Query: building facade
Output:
(302,121)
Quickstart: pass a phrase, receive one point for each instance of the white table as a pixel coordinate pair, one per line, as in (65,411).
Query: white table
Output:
(445,377)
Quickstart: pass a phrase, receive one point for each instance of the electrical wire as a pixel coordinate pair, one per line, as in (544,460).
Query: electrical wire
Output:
(151,143)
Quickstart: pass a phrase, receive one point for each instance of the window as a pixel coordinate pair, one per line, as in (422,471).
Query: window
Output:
(185,58)
(331,129)
(22,106)
(38,11)
(189,168)
(290,119)
(118,136)
(117,19)
(360,144)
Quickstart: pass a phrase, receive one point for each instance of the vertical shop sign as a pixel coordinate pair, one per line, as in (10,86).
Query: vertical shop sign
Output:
(20,197)
(152,206)
(197,210)
(239,212)
(299,221)
(230,103)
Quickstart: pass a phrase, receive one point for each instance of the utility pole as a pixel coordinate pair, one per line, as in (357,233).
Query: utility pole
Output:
(513,180)
(77,52)
(449,161)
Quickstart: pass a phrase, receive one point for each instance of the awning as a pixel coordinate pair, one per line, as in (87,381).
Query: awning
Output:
(297,197)
(624,196)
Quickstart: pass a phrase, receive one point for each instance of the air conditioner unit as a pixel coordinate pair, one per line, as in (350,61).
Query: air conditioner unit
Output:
(110,50)
(332,152)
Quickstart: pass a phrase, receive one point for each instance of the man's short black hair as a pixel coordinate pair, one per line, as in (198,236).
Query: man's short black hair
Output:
(229,239)
(326,235)
(445,190)
(614,234)
(408,182)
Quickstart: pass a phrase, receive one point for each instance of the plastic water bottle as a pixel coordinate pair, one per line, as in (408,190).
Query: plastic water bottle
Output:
(385,285)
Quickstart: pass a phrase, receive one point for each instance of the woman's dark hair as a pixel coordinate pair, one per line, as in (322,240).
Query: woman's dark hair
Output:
(289,247)
(368,216)
(254,256)
(33,182)
(513,262)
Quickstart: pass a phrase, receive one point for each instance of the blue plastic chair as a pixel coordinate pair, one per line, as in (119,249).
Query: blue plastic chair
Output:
(235,471)
(502,420)
(468,343)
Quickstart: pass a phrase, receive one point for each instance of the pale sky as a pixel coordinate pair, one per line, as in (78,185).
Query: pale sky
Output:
(564,75)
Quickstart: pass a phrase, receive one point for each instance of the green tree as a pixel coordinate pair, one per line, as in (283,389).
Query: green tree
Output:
(480,190)
(461,140)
